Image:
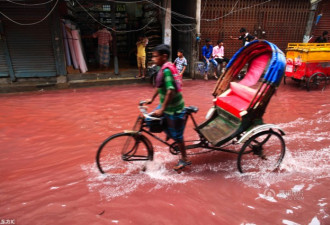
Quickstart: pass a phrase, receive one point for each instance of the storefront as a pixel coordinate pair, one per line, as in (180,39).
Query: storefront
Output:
(126,21)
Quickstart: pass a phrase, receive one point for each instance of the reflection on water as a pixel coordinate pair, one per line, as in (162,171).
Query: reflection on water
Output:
(47,161)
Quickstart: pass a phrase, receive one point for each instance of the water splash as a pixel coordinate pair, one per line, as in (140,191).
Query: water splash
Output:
(303,163)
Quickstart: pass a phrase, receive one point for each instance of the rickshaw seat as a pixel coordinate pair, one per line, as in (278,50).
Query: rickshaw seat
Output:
(256,69)
(236,99)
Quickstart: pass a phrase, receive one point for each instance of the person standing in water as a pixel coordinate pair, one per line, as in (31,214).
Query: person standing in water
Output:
(171,101)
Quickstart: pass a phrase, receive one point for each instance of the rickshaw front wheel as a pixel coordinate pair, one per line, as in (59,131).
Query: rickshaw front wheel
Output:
(263,152)
(125,146)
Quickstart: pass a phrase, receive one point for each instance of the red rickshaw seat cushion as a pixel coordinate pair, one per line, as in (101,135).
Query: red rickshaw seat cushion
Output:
(237,99)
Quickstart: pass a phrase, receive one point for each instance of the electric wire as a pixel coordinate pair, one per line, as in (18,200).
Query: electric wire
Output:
(231,12)
(208,20)
(30,24)
(32,4)
(204,8)
(184,31)
(127,2)
(110,28)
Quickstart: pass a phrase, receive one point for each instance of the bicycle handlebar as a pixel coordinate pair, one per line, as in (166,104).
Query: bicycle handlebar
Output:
(143,110)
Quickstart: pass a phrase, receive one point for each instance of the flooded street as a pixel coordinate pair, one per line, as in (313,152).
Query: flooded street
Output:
(48,143)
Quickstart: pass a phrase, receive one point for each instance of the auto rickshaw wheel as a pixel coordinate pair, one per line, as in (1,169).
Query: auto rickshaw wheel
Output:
(317,80)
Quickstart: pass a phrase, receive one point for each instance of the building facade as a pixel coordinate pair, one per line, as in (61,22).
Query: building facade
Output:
(31,50)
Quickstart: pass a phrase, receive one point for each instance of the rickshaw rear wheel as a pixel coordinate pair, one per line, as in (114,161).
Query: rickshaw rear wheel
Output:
(122,146)
(263,152)
(317,80)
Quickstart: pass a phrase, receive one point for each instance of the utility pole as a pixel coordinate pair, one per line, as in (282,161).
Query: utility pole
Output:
(167,25)
(195,50)
(114,37)
(310,21)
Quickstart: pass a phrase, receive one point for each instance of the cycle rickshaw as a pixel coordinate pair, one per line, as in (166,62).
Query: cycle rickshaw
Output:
(234,120)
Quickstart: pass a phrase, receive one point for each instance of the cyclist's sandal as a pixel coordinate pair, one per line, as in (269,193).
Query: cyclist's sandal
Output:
(182,164)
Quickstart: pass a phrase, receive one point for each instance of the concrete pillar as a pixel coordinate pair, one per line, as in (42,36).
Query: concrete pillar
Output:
(198,17)
(114,38)
(310,21)
(167,24)
(195,50)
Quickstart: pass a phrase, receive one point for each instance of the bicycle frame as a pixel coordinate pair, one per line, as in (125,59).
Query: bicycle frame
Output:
(203,143)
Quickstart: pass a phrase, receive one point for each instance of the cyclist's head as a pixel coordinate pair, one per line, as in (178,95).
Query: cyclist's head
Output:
(162,49)
(160,54)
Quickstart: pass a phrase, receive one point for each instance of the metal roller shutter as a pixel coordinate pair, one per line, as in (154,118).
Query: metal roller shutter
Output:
(284,21)
(4,72)
(30,47)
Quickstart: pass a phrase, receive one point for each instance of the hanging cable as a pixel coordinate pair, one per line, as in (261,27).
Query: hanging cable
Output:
(217,18)
(30,24)
(184,31)
(110,28)
(32,4)
(204,8)
(231,12)
(127,2)
(232,9)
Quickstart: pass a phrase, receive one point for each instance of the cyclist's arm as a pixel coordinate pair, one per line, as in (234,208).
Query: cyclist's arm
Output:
(149,101)
(168,97)
(170,92)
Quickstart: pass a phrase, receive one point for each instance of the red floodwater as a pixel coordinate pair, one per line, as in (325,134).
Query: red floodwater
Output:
(49,139)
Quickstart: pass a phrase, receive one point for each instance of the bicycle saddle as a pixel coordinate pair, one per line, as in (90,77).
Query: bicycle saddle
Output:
(191,109)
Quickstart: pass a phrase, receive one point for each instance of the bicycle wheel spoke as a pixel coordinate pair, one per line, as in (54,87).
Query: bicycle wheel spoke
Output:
(265,156)
(119,148)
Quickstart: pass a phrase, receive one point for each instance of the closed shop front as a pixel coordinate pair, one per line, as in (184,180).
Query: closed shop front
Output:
(278,21)
(27,50)
(4,71)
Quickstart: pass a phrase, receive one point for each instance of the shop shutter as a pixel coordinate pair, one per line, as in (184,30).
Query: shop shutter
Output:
(30,47)
(3,63)
(283,21)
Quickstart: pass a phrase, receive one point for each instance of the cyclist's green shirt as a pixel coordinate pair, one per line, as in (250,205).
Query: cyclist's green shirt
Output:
(177,103)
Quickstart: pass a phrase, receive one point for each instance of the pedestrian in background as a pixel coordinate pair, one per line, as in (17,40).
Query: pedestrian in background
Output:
(207,58)
(180,62)
(141,55)
(219,53)
(104,43)
(245,37)
(323,38)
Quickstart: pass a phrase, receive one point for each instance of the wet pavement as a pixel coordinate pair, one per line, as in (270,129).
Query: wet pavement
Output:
(48,142)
